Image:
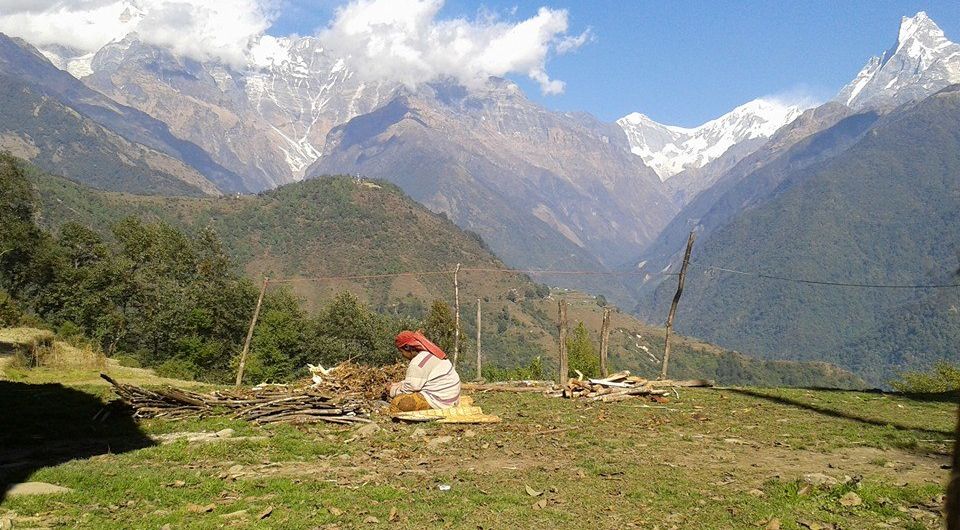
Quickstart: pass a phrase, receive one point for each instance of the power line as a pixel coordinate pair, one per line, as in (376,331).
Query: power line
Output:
(360,276)
(613,273)
(828,283)
(465,269)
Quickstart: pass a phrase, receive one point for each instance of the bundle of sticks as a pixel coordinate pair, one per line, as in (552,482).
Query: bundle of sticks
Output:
(356,380)
(621,386)
(267,405)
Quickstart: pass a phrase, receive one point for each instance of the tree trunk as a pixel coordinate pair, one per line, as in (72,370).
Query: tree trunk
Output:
(564,370)
(673,305)
(604,341)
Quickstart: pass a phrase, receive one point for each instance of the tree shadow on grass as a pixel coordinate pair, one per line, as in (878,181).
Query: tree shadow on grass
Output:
(835,413)
(930,397)
(46,425)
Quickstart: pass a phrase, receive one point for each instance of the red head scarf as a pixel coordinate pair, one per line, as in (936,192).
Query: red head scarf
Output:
(416,339)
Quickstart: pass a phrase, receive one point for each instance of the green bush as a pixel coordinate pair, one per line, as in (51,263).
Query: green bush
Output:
(944,377)
(10,312)
(177,369)
(581,354)
(533,372)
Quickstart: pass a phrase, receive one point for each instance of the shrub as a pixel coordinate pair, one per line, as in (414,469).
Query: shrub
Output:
(944,377)
(533,371)
(177,369)
(10,313)
(581,354)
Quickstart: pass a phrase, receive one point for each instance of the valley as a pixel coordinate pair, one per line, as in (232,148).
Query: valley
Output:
(771,187)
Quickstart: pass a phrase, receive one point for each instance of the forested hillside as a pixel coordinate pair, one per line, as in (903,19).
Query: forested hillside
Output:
(56,138)
(327,227)
(886,211)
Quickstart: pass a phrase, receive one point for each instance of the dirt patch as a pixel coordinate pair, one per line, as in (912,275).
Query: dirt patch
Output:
(750,464)
(36,488)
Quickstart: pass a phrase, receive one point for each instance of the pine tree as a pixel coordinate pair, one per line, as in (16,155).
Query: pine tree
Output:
(439,325)
(581,353)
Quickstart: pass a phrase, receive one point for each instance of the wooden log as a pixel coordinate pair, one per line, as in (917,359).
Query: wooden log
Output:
(481,387)
(579,383)
(619,376)
(479,361)
(685,383)
(253,323)
(456,314)
(562,352)
(617,384)
(673,305)
(604,341)
(953,487)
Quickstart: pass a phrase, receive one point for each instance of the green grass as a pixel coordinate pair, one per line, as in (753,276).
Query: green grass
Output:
(722,458)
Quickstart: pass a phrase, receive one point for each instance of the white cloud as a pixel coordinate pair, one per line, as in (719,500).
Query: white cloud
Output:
(405,41)
(201,29)
(570,43)
(398,40)
(801,96)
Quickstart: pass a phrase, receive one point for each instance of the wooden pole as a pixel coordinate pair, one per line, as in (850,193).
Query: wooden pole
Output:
(253,323)
(564,370)
(479,370)
(953,487)
(673,305)
(604,341)
(456,314)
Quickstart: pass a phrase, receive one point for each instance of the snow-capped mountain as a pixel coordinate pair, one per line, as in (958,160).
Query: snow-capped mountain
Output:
(302,91)
(267,121)
(921,62)
(669,149)
(69,59)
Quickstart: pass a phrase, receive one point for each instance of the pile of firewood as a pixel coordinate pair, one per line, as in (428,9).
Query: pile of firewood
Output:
(621,386)
(356,380)
(265,405)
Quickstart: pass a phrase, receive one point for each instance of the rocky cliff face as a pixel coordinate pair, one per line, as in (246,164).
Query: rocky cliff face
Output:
(54,120)
(921,62)
(267,122)
(541,187)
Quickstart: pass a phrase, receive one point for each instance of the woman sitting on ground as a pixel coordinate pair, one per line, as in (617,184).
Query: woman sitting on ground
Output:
(431,381)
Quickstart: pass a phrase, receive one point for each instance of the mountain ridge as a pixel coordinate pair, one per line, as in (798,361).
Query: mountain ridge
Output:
(852,218)
(921,61)
(451,148)
(20,60)
(670,149)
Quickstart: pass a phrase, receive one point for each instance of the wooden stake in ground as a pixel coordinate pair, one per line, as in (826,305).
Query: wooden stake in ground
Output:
(479,370)
(673,305)
(253,323)
(456,314)
(604,341)
(562,325)
(953,487)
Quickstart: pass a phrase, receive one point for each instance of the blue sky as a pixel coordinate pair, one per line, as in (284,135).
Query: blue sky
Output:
(685,62)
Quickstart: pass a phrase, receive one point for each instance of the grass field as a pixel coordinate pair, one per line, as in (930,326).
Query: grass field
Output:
(710,458)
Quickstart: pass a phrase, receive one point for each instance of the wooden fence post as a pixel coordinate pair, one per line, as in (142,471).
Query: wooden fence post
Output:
(564,370)
(456,314)
(604,341)
(253,323)
(479,369)
(673,305)
(953,487)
